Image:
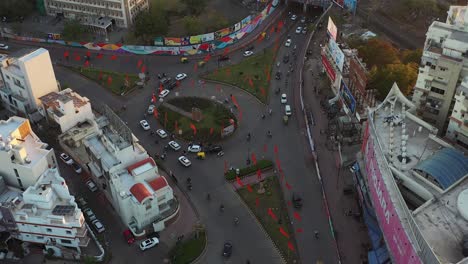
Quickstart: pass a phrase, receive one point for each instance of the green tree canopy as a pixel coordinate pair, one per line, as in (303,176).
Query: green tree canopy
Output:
(151,24)
(73,30)
(216,21)
(195,7)
(382,78)
(408,56)
(192,25)
(377,52)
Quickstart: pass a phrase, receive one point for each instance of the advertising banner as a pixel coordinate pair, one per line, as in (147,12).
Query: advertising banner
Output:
(237,26)
(331,29)
(395,235)
(195,39)
(347,97)
(159,41)
(222,32)
(207,37)
(172,41)
(336,53)
(328,68)
(184,41)
(246,21)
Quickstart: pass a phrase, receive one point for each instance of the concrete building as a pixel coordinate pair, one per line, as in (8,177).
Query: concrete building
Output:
(457,130)
(27,75)
(405,177)
(66,108)
(98,13)
(122,168)
(444,65)
(23,157)
(45,213)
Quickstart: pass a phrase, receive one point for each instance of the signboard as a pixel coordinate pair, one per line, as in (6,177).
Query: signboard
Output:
(350,5)
(336,53)
(357,75)
(396,238)
(347,97)
(328,68)
(331,29)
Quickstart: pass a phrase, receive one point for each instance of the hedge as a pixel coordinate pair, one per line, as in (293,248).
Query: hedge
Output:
(261,165)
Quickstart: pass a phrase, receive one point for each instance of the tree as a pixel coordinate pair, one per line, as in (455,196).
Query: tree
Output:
(73,30)
(382,78)
(408,56)
(192,25)
(216,21)
(195,7)
(13,9)
(151,24)
(377,52)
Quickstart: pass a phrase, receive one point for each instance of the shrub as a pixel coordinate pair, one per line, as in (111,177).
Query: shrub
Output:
(261,165)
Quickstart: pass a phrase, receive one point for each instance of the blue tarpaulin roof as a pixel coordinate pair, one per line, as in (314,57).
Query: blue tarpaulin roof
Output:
(446,166)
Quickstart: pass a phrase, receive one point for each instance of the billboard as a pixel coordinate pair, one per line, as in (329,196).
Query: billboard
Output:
(347,97)
(357,75)
(331,29)
(350,5)
(336,53)
(396,238)
(328,68)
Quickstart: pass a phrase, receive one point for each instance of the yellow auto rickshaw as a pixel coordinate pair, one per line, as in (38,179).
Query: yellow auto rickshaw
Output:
(201,155)
(184,60)
(285,120)
(201,63)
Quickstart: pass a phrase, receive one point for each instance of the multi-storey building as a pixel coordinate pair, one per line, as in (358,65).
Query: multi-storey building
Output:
(45,213)
(457,130)
(98,13)
(444,64)
(23,157)
(27,75)
(66,108)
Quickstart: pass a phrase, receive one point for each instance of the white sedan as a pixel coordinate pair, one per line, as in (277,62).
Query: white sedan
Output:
(161,133)
(293,17)
(248,53)
(3,46)
(184,161)
(65,158)
(151,109)
(164,93)
(288,43)
(174,145)
(298,30)
(194,149)
(284,99)
(149,243)
(144,124)
(180,76)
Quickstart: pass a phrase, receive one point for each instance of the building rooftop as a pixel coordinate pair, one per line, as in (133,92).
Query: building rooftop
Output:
(52,99)
(98,148)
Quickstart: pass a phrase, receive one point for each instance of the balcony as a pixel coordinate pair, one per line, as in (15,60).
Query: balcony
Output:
(84,241)
(82,231)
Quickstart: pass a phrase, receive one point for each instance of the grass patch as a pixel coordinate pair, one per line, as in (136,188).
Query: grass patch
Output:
(261,165)
(272,198)
(215,117)
(188,251)
(118,84)
(256,68)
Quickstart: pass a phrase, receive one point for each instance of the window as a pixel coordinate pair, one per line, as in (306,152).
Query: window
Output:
(65,241)
(16,171)
(68,232)
(161,198)
(20,183)
(443,68)
(49,230)
(437,90)
(7,76)
(433,67)
(40,237)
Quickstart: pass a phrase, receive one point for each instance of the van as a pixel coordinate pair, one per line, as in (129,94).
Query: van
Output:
(287,110)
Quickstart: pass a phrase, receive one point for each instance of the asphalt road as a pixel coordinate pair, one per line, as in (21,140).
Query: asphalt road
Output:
(249,240)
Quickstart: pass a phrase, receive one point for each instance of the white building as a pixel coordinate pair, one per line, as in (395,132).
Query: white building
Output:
(66,108)
(45,213)
(27,75)
(101,14)
(23,157)
(444,64)
(457,130)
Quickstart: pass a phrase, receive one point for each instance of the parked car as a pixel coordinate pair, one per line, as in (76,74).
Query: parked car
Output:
(164,80)
(91,186)
(303,20)
(298,30)
(151,109)
(293,17)
(215,148)
(88,213)
(128,236)
(161,133)
(98,226)
(81,202)
(296,200)
(288,43)
(194,148)
(65,158)
(3,46)
(170,85)
(144,124)
(174,145)
(164,93)
(287,110)
(77,168)
(184,161)
(149,243)
(304,30)
(180,76)
(284,99)
(248,53)
(227,249)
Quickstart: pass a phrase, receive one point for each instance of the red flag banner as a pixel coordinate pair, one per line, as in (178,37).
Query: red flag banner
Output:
(297,216)
(278,164)
(113,57)
(100,56)
(109,80)
(299,230)
(225,51)
(161,88)
(155,113)
(257,202)
(259,174)
(272,30)
(251,82)
(154,99)
(239,182)
(143,69)
(254,159)
(194,128)
(291,246)
(249,188)
(272,215)
(207,57)
(140,62)
(283,232)
(211,131)
(66,54)
(86,64)
(100,76)
(234,101)
(77,57)
(176,127)
(88,54)
(262,91)
(276,149)
(288,186)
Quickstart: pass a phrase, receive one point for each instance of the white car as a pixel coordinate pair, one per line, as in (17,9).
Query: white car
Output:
(3,46)
(151,109)
(184,161)
(284,99)
(303,20)
(293,17)
(144,124)
(89,214)
(174,145)
(161,133)
(287,110)
(298,30)
(149,243)
(98,226)
(194,148)
(164,93)
(288,43)
(180,76)
(77,168)
(91,186)
(248,53)
(65,158)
